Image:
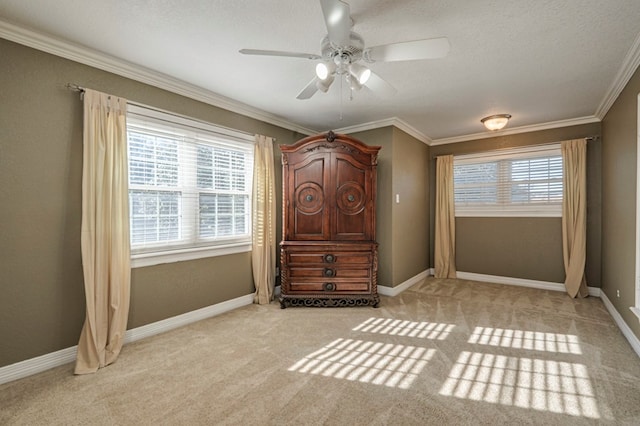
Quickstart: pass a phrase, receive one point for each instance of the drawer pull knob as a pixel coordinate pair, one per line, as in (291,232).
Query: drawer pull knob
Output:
(309,197)
(350,197)
(329,272)
(328,286)
(329,258)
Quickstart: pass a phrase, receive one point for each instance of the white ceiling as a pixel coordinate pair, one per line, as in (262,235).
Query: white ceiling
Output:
(540,60)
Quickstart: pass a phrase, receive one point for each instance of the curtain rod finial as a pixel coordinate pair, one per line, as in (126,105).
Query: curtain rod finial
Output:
(74,87)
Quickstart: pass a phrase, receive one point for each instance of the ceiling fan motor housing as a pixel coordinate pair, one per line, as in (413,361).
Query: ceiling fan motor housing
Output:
(346,54)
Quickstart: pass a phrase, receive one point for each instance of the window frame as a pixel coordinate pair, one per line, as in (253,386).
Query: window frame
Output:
(198,133)
(506,208)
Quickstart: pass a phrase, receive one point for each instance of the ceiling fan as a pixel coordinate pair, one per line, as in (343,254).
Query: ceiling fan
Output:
(343,51)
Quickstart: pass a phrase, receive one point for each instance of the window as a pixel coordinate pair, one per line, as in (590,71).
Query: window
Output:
(514,182)
(189,188)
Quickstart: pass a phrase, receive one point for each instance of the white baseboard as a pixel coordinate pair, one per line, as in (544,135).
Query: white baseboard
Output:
(545,285)
(38,364)
(394,291)
(44,362)
(187,318)
(617,318)
(522,282)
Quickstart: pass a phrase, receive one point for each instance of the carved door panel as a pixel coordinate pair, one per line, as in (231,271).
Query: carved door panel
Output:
(308,212)
(351,183)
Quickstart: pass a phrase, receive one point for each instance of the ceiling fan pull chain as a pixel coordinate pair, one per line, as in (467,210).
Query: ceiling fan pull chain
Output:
(341,97)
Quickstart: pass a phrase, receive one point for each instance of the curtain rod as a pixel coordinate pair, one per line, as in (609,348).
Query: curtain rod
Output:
(77,88)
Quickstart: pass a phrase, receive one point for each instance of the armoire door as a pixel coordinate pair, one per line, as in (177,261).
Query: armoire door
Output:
(308,215)
(351,214)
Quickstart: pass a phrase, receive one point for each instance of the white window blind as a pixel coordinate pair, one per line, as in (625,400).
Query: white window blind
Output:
(513,182)
(189,185)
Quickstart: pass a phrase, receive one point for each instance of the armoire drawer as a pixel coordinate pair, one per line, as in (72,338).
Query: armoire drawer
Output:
(329,257)
(336,286)
(329,272)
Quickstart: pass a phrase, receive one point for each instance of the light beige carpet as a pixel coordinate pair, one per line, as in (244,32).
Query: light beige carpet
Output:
(443,352)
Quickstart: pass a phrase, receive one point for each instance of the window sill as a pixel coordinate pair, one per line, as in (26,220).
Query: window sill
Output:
(499,213)
(140,260)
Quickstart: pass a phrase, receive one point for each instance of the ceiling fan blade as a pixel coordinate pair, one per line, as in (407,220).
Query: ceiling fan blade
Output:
(309,90)
(410,50)
(279,53)
(379,86)
(337,17)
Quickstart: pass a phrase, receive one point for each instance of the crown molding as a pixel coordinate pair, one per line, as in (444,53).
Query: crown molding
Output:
(126,69)
(407,128)
(626,71)
(102,61)
(516,130)
(378,124)
(393,121)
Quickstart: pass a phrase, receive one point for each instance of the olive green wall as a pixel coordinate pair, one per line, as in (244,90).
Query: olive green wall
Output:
(402,229)
(384,230)
(42,301)
(619,175)
(528,248)
(410,224)
(517,247)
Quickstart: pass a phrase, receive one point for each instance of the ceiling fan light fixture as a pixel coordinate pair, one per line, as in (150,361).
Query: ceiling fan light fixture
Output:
(325,70)
(323,85)
(354,84)
(360,73)
(496,121)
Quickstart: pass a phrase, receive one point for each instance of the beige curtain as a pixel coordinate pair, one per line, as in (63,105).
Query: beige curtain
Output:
(445,241)
(105,231)
(574,216)
(263,255)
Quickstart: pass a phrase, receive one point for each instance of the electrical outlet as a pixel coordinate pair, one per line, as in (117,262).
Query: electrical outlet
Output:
(618,293)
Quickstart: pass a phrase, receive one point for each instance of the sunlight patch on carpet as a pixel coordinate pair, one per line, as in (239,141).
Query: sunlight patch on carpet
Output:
(377,363)
(531,340)
(396,327)
(538,384)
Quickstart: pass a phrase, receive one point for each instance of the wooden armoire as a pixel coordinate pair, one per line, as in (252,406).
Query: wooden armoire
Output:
(329,253)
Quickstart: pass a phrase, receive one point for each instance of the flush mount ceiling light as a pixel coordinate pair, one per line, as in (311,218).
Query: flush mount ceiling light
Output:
(496,122)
